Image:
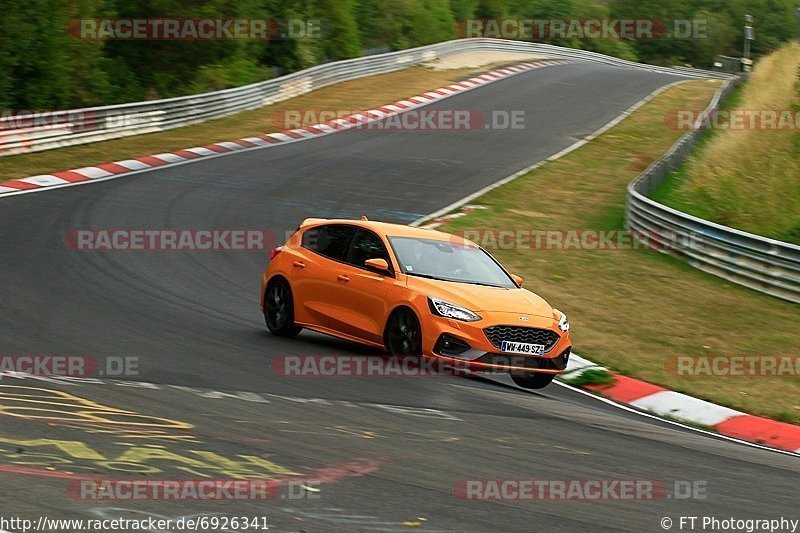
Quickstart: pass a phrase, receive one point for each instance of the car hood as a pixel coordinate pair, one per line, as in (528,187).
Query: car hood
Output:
(483,298)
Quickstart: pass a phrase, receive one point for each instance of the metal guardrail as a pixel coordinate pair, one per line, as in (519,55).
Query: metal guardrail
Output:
(79,126)
(766,265)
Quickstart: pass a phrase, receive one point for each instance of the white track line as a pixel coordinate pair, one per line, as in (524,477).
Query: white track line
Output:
(572,147)
(209,154)
(673,422)
(562,153)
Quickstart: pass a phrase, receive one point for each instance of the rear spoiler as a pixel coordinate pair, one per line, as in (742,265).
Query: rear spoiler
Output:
(309,221)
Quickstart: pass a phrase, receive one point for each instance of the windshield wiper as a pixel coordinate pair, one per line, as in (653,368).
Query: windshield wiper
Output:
(428,276)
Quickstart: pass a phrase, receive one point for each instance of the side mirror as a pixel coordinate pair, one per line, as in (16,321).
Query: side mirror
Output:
(378,265)
(518,280)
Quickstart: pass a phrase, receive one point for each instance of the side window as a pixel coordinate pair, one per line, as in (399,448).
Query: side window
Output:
(309,239)
(331,241)
(367,245)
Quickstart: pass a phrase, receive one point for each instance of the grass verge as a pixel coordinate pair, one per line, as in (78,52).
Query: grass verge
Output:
(593,376)
(356,95)
(632,310)
(748,177)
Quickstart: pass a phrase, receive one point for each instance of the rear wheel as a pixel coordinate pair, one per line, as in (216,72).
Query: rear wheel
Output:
(403,333)
(532,380)
(279,309)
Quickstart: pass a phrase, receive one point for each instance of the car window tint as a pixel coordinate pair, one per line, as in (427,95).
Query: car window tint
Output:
(310,239)
(367,245)
(332,241)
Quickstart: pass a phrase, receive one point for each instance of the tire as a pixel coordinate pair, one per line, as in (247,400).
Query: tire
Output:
(404,333)
(279,309)
(532,380)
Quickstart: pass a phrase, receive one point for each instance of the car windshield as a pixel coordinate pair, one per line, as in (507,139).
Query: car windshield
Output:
(449,261)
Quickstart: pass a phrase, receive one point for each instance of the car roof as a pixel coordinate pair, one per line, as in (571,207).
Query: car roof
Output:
(388,229)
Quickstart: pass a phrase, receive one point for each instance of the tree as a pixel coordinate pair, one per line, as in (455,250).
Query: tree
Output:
(342,39)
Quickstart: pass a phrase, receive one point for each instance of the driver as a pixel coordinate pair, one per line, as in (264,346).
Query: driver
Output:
(445,263)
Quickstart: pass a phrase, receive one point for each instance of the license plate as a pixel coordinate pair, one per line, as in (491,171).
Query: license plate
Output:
(522,347)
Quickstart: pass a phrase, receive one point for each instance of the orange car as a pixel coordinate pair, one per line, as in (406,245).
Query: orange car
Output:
(413,291)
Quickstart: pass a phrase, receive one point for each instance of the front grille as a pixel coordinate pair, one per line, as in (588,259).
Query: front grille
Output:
(498,334)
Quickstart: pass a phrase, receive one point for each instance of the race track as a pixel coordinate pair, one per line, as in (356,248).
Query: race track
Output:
(391,450)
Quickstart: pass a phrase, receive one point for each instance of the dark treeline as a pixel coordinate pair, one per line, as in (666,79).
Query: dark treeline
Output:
(42,66)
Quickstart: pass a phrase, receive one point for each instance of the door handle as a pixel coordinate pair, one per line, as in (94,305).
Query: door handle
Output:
(342,277)
(299,264)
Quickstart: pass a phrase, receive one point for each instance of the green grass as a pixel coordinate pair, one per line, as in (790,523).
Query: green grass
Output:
(748,179)
(632,309)
(593,376)
(673,191)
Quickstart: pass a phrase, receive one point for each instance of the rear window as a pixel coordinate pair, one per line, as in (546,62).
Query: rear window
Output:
(332,241)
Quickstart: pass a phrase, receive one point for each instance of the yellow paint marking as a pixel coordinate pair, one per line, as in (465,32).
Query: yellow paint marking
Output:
(64,409)
(143,455)
(73,448)
(154,434)
(81,409)
(146,459)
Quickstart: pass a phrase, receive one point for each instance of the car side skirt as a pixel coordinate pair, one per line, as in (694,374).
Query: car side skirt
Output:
(339,334)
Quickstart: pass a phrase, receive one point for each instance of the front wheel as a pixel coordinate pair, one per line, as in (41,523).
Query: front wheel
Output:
(279,309)
(404,334)
(532,380)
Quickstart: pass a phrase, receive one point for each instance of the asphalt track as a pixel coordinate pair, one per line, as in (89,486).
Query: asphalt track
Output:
(389,451)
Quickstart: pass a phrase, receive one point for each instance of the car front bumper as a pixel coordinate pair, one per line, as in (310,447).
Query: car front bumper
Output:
(466,345)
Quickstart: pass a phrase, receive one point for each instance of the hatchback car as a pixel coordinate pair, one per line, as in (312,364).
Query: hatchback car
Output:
(413,291)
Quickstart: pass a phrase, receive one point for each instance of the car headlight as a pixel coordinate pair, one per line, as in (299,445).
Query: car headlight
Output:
(563,323)
(448,310)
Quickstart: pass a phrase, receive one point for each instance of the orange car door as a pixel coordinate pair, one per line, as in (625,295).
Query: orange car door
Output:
(363,292)
(317,290)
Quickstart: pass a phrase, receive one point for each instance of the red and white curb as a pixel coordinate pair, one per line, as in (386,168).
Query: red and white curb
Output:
(440,220)
(111,170)
(639,395)
(674,405)
(643,396)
